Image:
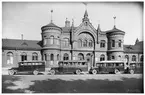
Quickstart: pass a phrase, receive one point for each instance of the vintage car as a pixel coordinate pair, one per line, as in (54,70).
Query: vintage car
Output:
(136,68)
(28,67)
(116,67)
(70,66)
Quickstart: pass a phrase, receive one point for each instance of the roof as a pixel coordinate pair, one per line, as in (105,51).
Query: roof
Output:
(134,48)
(67,29)
(51,25)
(114,30)
(21,44)
(36,45)
(110,61)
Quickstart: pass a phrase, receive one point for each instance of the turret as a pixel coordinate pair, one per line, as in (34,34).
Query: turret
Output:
(115,43)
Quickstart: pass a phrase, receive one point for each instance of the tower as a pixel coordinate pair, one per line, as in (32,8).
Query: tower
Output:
(115,43)
(51,43)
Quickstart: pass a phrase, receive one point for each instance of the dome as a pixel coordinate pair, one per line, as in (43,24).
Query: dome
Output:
(115,30)
(50,25)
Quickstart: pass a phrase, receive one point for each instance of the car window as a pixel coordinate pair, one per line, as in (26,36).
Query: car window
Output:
(117,64)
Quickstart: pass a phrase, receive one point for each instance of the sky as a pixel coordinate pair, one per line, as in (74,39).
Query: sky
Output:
(27,18)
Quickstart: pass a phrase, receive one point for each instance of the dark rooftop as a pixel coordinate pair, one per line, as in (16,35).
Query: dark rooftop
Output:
(114,30)
(134,48)
(21,44)
(51,25)
(36,45)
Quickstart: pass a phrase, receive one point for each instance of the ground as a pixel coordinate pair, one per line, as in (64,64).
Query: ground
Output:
(68,83)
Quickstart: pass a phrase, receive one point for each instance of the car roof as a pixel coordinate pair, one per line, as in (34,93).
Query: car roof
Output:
(110,62)
(73,61)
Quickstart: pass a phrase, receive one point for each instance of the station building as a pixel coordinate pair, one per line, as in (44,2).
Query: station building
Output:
(84,42)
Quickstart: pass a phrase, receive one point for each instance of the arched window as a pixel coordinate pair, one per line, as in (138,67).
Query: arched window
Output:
(34,56)
(113,43)
(66,42)
(80,43)
(127,57)
(119,57)
(90,43)
(102,44)
(65,56)
(51,39)
(119,43)
(51,57)
(85,43)
(113,57)
(57,56)
(141,58)
(102,57)
(9,58)
(58,42)
(133,58)
(23,56)
(45,57)
(44,41)
(80,56)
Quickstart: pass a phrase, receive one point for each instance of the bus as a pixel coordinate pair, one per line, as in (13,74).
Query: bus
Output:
(116,67)
(34,67)
(70,66)
(136,68)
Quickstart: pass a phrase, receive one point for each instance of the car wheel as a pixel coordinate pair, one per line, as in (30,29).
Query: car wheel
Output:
(131,71)
(94,71)
(117,71)
(52,72)
(11,72)
(78,72)
(15,72)
(35,72)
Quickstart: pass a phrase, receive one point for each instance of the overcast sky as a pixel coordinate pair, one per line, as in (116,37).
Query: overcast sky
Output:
(28,18)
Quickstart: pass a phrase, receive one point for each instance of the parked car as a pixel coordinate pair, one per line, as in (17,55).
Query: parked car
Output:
(136,68)
(70,66)
(28,67)
(108,67)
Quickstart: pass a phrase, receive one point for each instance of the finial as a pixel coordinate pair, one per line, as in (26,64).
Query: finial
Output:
(72,21)
(51,15)
(114,22)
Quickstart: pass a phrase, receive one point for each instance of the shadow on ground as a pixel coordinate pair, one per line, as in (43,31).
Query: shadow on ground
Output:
(128,85)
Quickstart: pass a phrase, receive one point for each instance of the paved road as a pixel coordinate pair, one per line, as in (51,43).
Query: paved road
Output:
(34,83)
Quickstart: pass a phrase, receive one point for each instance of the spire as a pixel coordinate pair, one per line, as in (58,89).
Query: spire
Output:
(51,15)
(99,26)
(86,14)
(136,41)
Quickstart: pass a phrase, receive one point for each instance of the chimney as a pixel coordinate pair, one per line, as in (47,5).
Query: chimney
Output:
(67,23)
(22,36)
